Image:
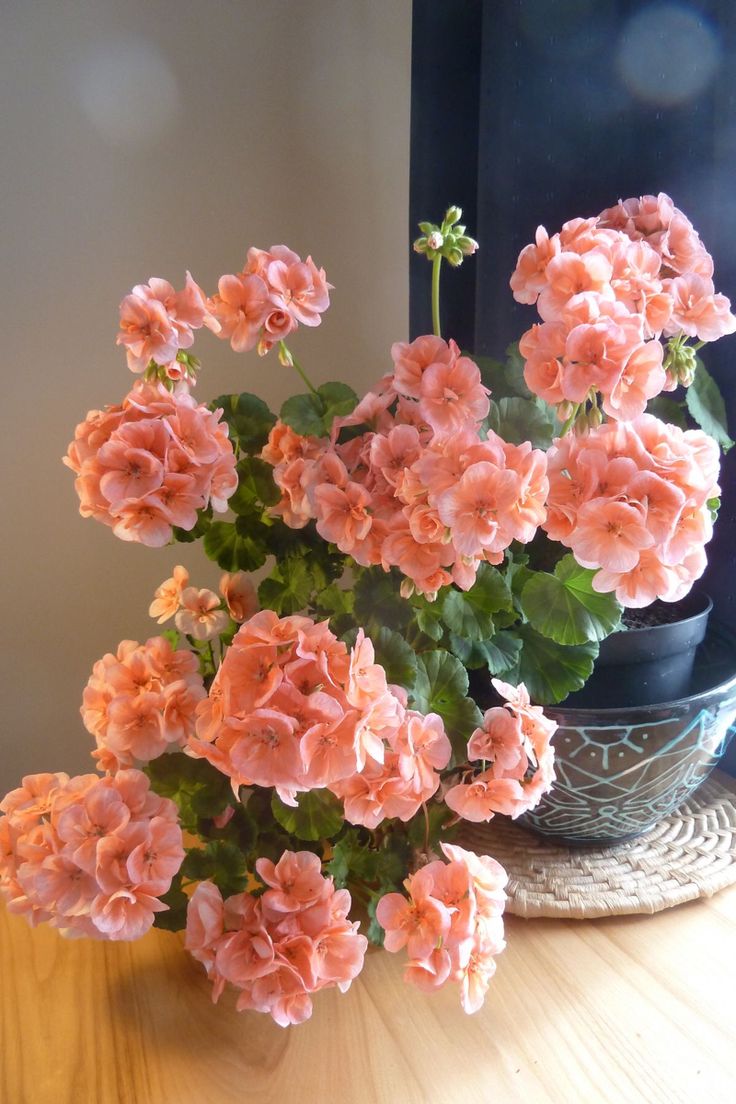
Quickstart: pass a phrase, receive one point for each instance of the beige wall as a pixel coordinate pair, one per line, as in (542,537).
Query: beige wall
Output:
(142,139)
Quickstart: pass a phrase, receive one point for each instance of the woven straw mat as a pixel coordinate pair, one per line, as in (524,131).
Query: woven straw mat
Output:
(689,854)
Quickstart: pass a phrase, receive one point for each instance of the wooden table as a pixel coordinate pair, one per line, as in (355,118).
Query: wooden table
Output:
(628,1010)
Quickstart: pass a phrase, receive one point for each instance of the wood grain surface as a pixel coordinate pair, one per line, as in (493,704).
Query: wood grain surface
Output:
(627,1010)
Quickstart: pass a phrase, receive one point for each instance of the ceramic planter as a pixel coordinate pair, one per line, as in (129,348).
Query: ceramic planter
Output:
(625,761)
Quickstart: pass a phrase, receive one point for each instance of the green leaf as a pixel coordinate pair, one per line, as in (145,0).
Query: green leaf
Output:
(550,671)
(504,380)
(334,601)
(437,815)
(378,601)
(175,919)
(291,584)
(668,410)
(705,403)
(517,420)
(312,414)
(441,687)
(469,613)
(566,608)
(338,399)
(397,658)
(469,652)
(374,931)
(186,536)
(256,487)
(235,550)
(501,652)
(305,414)
(498,654)
(249,419)
(429,623)
(318,815)
(514,372)
(352,857)
(492,374)
(519,575)
(198,789)
(221,862)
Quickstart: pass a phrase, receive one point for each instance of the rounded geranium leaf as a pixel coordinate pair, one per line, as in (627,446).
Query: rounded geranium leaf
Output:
(318,815)
(549,670)
(470,613)
(566,608)
(705,403)
(249,419)
(305,414)
(233,550)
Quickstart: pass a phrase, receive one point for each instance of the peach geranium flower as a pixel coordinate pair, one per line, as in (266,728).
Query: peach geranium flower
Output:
(240,595)
(452,395)
(200,614)
(610,534)
(167,597)
(98,858)
(344,514)
(241,306)
(473,509)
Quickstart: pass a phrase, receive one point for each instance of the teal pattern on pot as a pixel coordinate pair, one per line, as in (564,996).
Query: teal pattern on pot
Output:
(616,780)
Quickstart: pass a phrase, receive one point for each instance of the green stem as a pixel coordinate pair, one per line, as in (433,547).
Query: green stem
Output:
(698,345)
(295,363)
(436,265)
(571,420)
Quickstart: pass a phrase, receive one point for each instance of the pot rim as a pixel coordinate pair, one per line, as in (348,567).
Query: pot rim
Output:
(706,611)
(636,712)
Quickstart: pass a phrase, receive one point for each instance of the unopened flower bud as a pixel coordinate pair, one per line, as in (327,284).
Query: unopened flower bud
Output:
(435,240)
(581,423)
(285,357)
(454,256)
(467,244)
(407,588)
(595,417)
(687,375)
(564,411)
(453,215)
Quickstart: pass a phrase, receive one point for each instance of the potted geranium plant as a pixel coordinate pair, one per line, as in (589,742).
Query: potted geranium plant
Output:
(293,750)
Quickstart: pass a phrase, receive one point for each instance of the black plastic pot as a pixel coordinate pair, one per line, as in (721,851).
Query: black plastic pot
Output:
(648,665)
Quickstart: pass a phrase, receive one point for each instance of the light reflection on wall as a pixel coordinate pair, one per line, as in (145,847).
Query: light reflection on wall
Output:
(667,54)
(127,90)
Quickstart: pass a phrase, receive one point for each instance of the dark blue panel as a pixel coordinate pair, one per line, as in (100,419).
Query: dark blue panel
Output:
(580,102)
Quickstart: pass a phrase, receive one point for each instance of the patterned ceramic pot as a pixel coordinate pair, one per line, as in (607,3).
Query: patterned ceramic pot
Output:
(620,770)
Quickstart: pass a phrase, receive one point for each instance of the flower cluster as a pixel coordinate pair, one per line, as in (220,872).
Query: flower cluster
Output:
(198,612)
(514,742)
(607,289)
(424,490)
(633,500)
(157,323)
(290,707)
(269,298)
(92,856)
(149,464)
(141,702)
(279,948)
(451,923)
